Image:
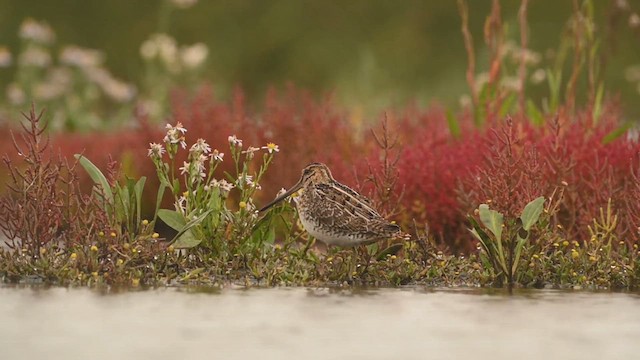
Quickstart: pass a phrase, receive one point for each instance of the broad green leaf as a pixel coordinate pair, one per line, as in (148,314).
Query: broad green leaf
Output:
(492,248)
(492,219)
(187,227)
(187,240)
(97,176)
(271,236)
(172,218)
(531,213)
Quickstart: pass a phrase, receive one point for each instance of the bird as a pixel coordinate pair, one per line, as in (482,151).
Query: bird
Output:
(334,213)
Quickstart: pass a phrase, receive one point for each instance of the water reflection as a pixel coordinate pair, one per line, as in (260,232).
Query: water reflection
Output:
(316,323)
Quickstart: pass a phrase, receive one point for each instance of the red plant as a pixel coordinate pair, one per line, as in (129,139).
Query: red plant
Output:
(444,170)
(44,205)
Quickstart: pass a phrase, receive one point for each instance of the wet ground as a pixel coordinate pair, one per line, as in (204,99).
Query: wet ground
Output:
(304,323)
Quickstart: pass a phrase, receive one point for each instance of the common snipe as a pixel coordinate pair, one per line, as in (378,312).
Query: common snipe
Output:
(335,214)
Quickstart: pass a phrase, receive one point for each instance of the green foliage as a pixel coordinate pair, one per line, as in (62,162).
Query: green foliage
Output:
(122,202)
(204,216)
(503,253)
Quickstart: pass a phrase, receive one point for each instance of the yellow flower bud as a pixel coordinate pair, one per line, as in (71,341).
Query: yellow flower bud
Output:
(155,235)
(94,248)
(73,256)
(242,204)
(145,222)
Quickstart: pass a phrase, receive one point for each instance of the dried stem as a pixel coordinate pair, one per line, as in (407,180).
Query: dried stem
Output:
(463,9)
(524,32)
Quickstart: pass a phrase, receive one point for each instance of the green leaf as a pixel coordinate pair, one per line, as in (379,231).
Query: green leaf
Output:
(554,89)
(518,251)
(122,208)
(172,218)
(97,176)
(597,104)
(492,248)
(534,114)
(191,240)
(616,133)
(531,213)
(492,219)
(138,189)
(454,126)
(192,273)
(159,197)
(507,105)
(186,240)
(391,250)
(271,236)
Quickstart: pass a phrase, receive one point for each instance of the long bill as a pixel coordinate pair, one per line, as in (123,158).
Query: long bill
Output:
(288,193)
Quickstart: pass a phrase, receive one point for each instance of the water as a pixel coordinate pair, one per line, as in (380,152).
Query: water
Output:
(301,323)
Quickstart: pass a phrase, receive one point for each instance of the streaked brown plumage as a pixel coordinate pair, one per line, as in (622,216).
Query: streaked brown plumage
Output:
(335,214)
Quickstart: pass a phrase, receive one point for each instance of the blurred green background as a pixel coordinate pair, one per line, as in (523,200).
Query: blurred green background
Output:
(371,53)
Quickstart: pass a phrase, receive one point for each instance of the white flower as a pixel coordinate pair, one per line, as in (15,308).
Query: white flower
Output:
(224,185)
(15,94)
(57,84)
(248,180)
(193,56)
(271,148)
(156,150)
(184,4)
(250,152)
(181,204)
(117,90)
(185,168)
(164,47)
(199,163)
(634,20)
(5,57)
(35,56)
(200,147)
(538,76)
(233,140)
(175,135)
(217,156)
(81,57)
(36,31)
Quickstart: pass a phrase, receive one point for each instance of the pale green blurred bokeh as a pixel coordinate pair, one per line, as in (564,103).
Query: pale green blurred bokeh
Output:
(373,54)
